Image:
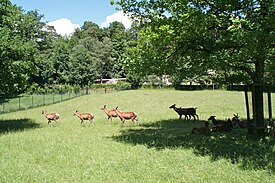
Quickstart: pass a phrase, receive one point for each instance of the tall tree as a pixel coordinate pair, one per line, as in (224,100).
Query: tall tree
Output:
(18,47)
(83,70)
(220,35)
(105,61)
(119,37)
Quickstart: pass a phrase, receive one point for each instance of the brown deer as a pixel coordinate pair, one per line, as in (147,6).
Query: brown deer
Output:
(110,113)
(187,112)
(271,128)
(85,116)
(224,127)
(203,130)
(216,122)
(51,116)
(236,121)
(127,115)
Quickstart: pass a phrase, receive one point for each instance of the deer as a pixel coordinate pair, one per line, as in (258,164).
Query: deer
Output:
(224,127)
(187,112)
(236,121)
(203,130)
(84,116)
(126,115)
(216,122)
(271,128)
(51,116)
(110,113)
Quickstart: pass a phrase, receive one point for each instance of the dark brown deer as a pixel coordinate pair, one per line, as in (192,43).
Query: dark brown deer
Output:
(236,121)
(85,116)
(271,128)
(51,116)
(203,130)
(224,127)
(110,113)
(216,122)
(187,112)
(127,116)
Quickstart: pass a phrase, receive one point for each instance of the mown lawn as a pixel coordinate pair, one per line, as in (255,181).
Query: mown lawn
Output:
(162,149)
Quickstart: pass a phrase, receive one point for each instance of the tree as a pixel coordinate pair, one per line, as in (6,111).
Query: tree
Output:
(105,62)
(235,36)
(119,37)
(83,70)
(18,47)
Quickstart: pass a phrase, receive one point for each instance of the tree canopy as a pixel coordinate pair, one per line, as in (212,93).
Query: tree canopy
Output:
(188,38)
(231,39)
(20,38)
(33,53)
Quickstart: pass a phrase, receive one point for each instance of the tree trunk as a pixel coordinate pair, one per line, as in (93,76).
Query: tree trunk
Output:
(257,98)
(258,109)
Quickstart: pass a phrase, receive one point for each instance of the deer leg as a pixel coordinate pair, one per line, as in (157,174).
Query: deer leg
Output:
(185,117)
(138,121)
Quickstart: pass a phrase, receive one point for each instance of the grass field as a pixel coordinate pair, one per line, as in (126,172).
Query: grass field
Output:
(162,149)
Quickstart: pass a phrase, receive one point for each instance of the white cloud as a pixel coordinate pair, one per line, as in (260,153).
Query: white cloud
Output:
(119,17)
(63,26)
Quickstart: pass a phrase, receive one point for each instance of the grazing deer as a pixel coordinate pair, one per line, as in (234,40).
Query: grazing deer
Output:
(51,116)
(84,116)
(110,113)
(187,112)
(127,115)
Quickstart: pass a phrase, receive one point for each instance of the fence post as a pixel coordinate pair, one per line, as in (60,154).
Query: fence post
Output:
(32,101)
(269,103)
(19,102)
(43,99)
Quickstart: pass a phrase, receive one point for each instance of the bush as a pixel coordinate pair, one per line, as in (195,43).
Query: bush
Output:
(123,86)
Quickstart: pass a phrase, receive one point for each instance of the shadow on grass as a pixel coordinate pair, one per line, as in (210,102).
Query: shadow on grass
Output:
(234,146)
(14,125)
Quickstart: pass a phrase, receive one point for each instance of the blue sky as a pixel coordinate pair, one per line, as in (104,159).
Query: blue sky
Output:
(62,13)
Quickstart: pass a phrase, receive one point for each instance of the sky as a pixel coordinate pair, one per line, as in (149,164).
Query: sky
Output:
(67,15)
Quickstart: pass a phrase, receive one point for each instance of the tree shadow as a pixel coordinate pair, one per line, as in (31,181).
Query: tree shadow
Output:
(236,146)
(14,125)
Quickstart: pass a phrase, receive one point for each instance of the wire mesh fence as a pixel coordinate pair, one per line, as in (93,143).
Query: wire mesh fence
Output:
(26,101)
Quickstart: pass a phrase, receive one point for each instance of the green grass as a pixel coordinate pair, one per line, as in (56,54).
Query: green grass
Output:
(162,149)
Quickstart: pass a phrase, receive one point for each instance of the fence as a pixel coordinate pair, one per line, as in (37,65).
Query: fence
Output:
(25,101)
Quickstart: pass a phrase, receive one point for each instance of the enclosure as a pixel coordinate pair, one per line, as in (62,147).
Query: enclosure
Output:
(162,149)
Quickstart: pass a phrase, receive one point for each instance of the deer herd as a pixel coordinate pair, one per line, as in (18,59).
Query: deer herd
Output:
(84,117)
(188,113)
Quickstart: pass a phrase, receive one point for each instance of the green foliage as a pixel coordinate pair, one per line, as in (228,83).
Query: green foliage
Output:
(18,47)
(123,86)
(188,38)
(136,81)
